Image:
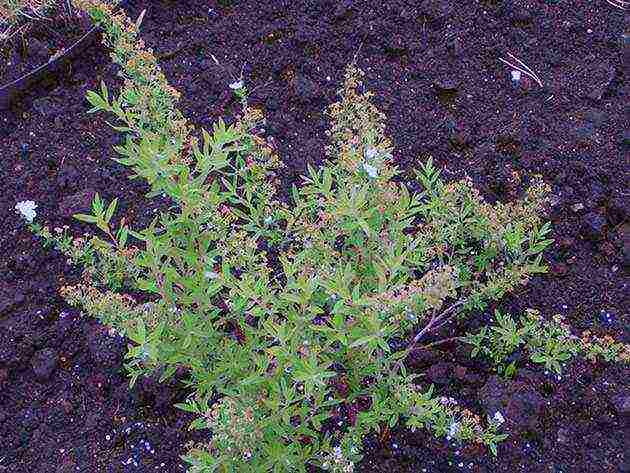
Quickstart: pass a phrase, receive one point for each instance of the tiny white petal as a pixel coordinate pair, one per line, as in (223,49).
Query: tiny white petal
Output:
(211,275)
(516,75)
(498,418)
(371,170)
(370,152)
(237,85)
(452,430)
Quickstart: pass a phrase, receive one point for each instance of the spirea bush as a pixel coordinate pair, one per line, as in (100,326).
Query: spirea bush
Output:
(286,312)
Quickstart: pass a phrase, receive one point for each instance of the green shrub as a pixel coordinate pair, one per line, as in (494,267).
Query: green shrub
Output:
(548,342)
(276,342)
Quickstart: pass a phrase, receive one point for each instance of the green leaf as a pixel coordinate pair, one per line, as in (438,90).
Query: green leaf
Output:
(362,341)
(85,218)
(364,226)
(97,102)
(140,334)
(252,380)
(198,424)
(538,358)
(102,225)
(121,129)
(97,205)
(110,210)
(186,407)
(104,92)
(393,420)
(138,236)
(123,234)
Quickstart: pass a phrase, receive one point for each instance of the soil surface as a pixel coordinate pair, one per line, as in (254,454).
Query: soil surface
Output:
(38,41)
(434,66)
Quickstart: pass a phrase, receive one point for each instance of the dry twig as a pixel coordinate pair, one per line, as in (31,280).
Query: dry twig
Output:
(522,67)
(621,4)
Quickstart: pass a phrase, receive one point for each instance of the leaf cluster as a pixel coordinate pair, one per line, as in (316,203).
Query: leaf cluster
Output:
(547,342)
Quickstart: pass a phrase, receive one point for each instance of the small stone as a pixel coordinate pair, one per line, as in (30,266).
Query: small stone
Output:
(439,373)
(43,106)
(44,362)
(421,359)
(603,75)
(594,226)
(4,375)
(621,403)
(456,47)
(237,85)
(521,15)
(105,350)
(618,209)
(520,404)
(460,372)
(596,117)
(10,297)
(15,57)
(76,203)
(559,269)
(306,89)
(395,45)
(446,83)
(597,191)
(38,50)
(341,10)
(28,418)
(584,130)
(460,137)
(607,248)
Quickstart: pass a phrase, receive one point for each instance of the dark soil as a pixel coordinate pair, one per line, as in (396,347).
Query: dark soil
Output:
(64,402)
(38,41)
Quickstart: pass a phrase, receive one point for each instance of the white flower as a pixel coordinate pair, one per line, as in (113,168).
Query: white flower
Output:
(237,85)
(516,75)
(452,430)
(371,170)
(411,316)
(370,153)
(26,208)
(448,401)
(211,275)
(498,418)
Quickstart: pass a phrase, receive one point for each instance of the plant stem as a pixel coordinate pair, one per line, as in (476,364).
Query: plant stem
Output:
(439,342)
